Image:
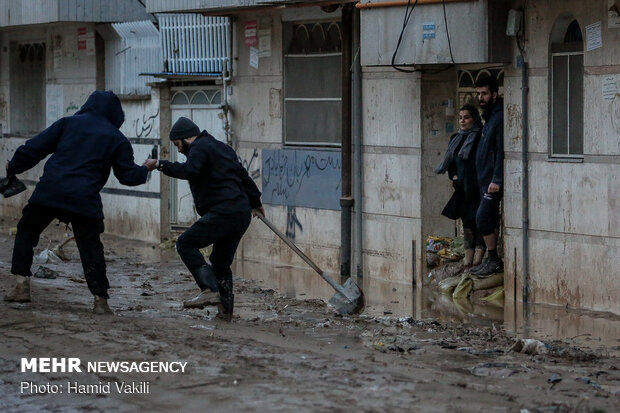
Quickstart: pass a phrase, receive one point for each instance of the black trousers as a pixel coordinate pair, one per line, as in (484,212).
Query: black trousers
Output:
(224,232)
(35,218)
(487,218)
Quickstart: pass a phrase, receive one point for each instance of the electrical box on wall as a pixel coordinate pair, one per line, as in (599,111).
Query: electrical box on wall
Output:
(514,24)
(478,38)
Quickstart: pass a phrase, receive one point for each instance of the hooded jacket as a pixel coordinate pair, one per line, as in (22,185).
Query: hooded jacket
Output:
(218,181)
(490,153)
(84,148)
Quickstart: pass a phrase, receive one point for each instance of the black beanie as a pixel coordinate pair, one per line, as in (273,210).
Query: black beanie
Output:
(183,128)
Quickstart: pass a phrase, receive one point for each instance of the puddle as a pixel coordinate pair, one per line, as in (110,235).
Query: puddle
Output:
(382,298)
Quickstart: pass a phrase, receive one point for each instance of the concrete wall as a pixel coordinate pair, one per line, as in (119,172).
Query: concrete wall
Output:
(256,119)
(391,174)
(574,209)
(391,147)
(69,80)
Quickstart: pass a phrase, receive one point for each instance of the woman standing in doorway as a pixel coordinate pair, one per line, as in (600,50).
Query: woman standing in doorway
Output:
(460,163)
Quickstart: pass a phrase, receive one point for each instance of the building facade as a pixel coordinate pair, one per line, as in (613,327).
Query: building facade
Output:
(341,112)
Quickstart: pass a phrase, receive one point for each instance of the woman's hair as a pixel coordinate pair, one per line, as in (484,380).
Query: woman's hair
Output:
(473,111)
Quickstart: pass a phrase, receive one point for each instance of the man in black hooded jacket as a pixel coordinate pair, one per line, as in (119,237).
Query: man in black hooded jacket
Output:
(83,147)
(490,171)
(224,196)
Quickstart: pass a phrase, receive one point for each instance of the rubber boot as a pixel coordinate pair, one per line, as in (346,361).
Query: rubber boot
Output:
(101,306)
(21,291)
(10,186)
(225,308)
(209,295)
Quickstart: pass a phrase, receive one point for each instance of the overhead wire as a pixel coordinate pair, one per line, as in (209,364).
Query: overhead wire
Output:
(406,18)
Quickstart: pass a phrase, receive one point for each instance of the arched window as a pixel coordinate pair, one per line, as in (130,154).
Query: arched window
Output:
(566,84)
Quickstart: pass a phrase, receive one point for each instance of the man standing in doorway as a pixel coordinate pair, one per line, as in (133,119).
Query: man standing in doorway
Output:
(224,196)
(490,171)
(83,147)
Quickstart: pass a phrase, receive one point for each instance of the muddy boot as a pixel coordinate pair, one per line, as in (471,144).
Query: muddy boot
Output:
(205,298)
(101,306)
(21,291)
(209,295)
(225,308)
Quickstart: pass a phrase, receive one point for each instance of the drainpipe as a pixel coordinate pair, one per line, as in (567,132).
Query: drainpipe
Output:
(346,200)
(525,189)
(357,143)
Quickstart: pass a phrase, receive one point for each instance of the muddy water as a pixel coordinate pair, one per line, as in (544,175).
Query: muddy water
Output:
(583,328)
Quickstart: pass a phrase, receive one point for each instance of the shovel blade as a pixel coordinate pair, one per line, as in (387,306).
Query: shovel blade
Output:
(351,301)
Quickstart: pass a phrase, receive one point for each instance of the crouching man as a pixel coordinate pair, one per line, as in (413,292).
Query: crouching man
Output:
(83,147)
(224,196)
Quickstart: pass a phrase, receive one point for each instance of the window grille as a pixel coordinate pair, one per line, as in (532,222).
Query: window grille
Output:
(192,43)
(567,94)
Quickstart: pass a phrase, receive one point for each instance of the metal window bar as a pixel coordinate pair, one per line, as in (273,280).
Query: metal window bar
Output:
(193,43)
(568,108)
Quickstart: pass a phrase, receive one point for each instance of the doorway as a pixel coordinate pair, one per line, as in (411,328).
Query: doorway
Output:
(203,105)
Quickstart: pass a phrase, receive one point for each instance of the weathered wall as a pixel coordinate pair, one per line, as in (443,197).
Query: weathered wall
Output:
(256,109)
(391,177)
(574,214)
(70,78)
(391,174)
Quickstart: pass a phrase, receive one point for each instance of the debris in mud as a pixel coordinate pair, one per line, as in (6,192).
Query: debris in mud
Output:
(529,346)
(77,280)
(494,369)
(554,379)
(44,272)
(46,256)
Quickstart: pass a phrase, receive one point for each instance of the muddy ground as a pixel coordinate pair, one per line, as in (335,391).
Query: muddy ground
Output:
(277,355)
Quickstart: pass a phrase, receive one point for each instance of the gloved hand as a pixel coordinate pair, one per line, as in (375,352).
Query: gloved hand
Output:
(10,186)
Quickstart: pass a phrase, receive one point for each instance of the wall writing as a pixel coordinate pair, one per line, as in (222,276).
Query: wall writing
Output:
(304,178)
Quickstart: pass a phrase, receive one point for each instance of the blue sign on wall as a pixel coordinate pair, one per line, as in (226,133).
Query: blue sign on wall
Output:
(301,178)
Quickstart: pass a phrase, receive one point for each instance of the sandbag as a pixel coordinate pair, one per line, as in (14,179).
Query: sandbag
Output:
(447,285)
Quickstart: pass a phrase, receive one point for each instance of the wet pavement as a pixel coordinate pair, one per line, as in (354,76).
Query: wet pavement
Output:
(286,350)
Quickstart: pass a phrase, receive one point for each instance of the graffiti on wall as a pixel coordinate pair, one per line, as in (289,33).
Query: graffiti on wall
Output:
(251,165)
(144,126)
(292,222)
(304,178)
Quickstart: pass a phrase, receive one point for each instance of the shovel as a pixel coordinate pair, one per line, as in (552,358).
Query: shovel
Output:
(348,298)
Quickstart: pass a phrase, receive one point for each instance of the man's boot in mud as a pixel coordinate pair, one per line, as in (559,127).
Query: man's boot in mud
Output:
(225,308)
(101,306)
(21,291)
(209,295)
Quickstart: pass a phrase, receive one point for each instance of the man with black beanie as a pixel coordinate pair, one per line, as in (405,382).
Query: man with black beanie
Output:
(224,196)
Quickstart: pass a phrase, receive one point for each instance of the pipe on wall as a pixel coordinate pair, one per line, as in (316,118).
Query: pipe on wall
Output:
(401,3)
(357,144)
(525,180)
(346,199)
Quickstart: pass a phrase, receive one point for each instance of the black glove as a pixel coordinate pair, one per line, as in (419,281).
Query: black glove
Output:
(10,186)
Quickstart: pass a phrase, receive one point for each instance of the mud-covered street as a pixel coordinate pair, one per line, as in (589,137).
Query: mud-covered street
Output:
(278,353)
